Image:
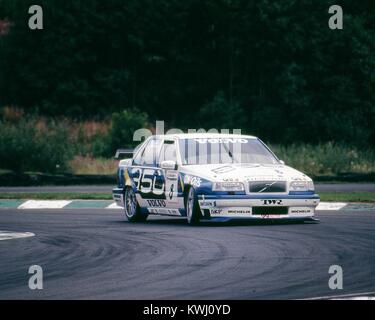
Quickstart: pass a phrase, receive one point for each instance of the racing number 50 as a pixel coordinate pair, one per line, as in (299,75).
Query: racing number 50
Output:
(145,181)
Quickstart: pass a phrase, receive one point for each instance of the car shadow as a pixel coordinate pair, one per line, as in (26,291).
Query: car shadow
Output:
(214,223)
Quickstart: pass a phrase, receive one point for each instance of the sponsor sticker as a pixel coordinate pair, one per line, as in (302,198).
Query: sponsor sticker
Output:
(156,203)
(172,211)
(172,175)
(267,202)
(300,210)
(206,203)
(231,211)
(239,211)
(222,140)
(194,181)
(270,216)
(264,178)
(231,180)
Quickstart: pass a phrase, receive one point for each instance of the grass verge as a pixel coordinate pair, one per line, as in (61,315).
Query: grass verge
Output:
(347,196)
(56,196)
(325,196)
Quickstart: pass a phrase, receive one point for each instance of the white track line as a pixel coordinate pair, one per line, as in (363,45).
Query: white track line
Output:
(114,206)
(60,204)
(331,205)
(350,296)
(8,235)
(44,204)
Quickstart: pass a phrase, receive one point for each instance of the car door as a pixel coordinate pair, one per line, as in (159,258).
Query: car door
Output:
(169,152)
(147,177)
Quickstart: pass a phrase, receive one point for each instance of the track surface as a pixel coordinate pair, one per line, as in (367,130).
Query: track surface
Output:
(331,187)
(90,254)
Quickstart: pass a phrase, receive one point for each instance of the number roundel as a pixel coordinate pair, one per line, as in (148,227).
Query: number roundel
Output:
(146,181)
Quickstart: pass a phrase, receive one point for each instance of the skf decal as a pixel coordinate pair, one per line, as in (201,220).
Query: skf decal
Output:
(272,202)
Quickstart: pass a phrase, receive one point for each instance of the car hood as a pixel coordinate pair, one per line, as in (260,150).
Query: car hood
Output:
(245,172)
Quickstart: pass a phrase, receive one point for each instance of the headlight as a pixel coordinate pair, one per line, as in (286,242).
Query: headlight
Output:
(228,186)
(301,186)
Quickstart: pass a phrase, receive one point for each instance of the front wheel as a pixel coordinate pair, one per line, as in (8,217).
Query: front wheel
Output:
(192,207)
(131,207)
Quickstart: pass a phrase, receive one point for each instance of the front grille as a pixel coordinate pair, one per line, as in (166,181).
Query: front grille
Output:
(269,210)
(267,186)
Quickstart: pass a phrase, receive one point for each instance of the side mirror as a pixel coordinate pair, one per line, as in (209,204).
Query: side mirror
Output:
(282,162)
(168,165)
(124,153)
(126,162)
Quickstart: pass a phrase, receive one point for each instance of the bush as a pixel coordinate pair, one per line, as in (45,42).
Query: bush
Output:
(120,134)
(326,159)
(222,114)
(30,145)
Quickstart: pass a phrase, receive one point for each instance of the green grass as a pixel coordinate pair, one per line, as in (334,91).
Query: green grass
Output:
(56,196)
(347,196)
(325,196)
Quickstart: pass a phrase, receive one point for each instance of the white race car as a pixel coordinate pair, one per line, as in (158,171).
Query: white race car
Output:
(211,176)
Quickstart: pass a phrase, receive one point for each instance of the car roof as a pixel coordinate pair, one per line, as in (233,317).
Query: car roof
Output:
(206,135)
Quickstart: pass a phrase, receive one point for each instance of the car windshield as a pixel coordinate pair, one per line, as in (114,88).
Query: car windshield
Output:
(224,150)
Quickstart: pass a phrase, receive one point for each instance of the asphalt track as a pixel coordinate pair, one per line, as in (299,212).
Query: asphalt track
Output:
(328,187)
(95,254)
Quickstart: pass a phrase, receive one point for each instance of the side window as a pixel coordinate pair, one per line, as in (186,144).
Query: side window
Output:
(168,152)
(138,159)
(151,153)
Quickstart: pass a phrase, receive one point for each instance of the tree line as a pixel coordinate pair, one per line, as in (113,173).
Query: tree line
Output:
(271,68)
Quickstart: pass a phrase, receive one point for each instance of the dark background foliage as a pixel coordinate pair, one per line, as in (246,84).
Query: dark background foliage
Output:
(271,68)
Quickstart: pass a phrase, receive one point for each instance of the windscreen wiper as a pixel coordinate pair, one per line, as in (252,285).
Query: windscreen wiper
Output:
(230,153)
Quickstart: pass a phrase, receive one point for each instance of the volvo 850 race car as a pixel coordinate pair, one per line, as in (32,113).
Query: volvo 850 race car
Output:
(211,176)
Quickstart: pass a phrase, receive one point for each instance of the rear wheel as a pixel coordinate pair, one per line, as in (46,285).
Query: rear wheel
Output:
(131,207)
(192,207)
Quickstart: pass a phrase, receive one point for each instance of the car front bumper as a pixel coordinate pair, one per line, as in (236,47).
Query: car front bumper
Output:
(259,207)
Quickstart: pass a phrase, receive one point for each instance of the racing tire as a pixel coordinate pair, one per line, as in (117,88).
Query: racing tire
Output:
(192,207)
(132,209)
